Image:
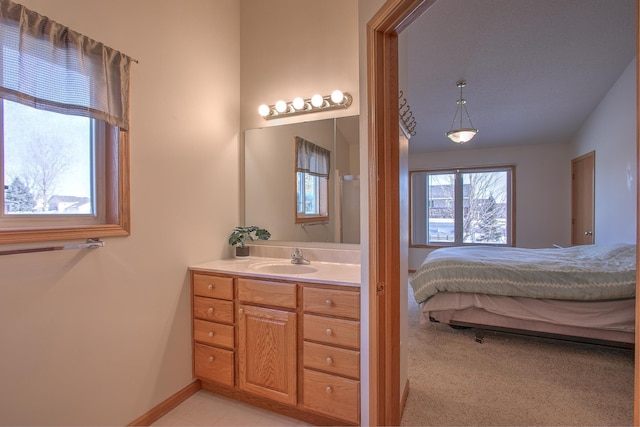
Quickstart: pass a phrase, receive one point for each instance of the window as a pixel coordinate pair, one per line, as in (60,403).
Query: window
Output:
(48,162)
(64,101)
(312,176)
(462,207)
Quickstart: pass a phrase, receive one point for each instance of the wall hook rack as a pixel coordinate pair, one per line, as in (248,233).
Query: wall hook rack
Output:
(407,121)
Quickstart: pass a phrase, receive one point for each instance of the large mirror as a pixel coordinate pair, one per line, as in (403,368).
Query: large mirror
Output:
(270,180)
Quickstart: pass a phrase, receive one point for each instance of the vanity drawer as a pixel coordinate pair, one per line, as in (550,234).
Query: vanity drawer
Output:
(267,293)
(332,395)
(213,286)
(332,302)
(340,332)
(213,333)
(213,309)
(213,364)
(332,360)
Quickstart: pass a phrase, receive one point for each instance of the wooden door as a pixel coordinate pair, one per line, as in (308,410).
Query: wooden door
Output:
(582,199)
(267,353)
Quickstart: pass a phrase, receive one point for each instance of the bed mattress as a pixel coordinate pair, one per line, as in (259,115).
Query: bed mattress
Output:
(587,273)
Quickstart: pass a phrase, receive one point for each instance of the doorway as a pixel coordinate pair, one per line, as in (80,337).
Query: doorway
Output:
(384,202)
(582,199)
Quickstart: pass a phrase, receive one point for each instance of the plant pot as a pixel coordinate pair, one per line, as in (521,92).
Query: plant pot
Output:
(242,251)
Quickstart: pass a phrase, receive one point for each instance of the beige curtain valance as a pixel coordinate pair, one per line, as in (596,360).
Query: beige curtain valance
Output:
(311,158)
(48,66)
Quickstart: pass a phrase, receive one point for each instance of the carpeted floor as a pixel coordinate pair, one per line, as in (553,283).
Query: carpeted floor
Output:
(511,380)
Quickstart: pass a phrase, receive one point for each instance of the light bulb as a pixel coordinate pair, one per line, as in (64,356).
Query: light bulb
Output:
(298,103)
(317,100)
(281,106)
(264,110)
(337,96)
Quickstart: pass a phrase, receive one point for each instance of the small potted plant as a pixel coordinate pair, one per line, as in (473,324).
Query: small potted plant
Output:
(240,235)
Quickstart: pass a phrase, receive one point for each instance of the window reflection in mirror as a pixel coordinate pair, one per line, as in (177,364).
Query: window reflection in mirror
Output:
(312,166)
(272,186)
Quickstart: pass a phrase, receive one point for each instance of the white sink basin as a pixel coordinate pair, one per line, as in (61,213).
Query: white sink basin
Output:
(282,268)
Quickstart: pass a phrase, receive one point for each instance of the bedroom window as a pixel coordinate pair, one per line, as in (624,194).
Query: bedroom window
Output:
(462,207)
(64,118)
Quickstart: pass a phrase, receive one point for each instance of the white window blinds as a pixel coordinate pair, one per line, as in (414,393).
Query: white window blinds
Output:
(48,66)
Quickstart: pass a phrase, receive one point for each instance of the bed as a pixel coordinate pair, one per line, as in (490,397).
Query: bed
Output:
(584,293)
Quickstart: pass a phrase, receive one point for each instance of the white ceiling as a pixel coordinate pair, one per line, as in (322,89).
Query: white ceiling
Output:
(535,69)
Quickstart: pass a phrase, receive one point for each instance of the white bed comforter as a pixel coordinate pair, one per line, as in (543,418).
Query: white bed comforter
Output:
(588,272)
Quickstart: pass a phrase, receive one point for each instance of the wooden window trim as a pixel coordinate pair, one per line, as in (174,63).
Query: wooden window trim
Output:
(116,199)
(301,218)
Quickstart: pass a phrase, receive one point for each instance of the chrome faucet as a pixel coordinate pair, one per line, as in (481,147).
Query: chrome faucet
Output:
(298,258)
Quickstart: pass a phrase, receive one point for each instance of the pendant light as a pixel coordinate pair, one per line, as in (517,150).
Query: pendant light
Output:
(461,134)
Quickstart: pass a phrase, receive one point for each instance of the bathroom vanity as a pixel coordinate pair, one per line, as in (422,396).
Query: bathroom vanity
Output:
(280,336)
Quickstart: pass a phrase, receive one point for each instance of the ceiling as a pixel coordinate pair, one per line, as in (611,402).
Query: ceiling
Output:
(535,69)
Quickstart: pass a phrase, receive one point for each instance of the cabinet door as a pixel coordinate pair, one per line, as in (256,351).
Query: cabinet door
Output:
(267,352)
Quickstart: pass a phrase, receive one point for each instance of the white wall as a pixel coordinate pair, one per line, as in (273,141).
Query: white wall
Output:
(543,189)
(99,337)
(611,132)
(292,48)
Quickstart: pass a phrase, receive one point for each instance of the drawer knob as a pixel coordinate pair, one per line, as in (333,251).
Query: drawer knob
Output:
(210,310)
(241,311)
(210,358)
(329,389)
(329,303)
(211,334)
(329,331)
(210,287)
(329,361)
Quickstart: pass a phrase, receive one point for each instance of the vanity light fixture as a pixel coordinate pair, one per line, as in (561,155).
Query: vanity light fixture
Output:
(461,134)
(315,104)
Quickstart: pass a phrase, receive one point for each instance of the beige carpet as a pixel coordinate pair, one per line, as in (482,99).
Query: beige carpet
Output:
(511,380)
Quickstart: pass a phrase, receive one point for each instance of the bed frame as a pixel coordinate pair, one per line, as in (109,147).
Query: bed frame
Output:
(480,335)
(620,334)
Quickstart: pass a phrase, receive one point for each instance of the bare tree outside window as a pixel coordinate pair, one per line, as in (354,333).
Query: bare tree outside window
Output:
(51,155)
(483,220)
(46,165)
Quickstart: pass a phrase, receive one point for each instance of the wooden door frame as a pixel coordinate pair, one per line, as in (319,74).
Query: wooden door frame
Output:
(384,202)
(384,206)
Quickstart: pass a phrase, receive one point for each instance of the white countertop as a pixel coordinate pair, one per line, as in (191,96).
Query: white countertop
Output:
(281,268)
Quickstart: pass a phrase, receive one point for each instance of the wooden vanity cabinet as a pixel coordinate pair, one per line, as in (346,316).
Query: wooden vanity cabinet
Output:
(331,331)
(213,328)
(285,346)
(267,339)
